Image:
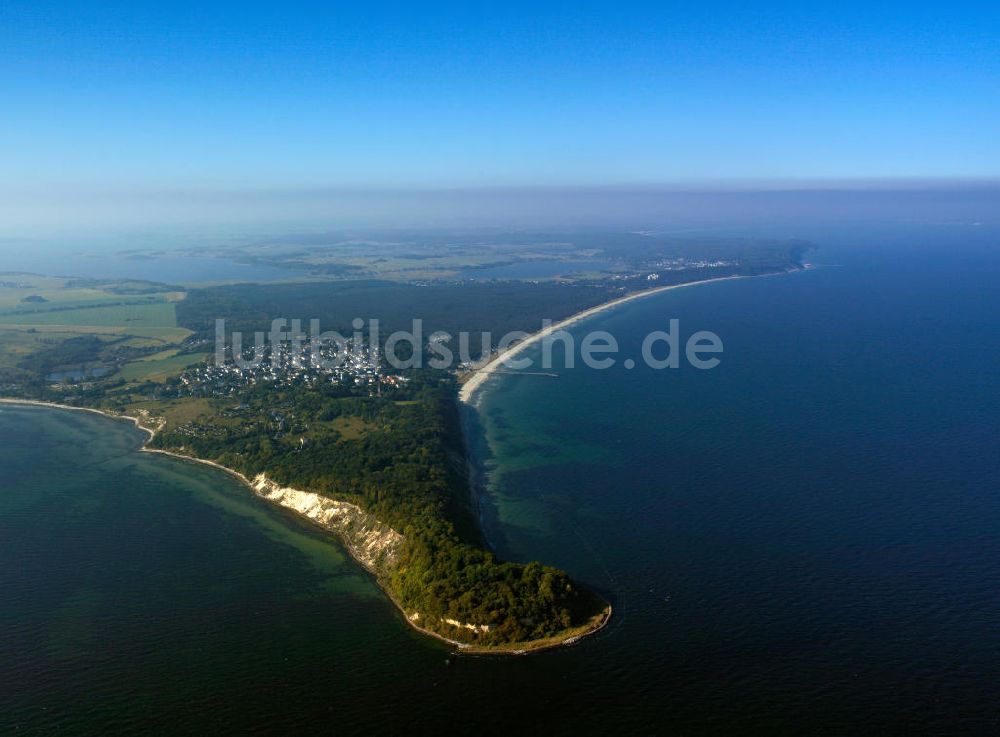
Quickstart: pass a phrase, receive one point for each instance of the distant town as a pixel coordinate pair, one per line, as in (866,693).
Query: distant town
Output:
(352,363)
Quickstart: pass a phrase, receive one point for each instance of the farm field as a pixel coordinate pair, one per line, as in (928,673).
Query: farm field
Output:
(159,369)
(147,314)
(39,314)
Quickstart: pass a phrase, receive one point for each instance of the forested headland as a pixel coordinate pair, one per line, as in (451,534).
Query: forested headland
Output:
(401,458)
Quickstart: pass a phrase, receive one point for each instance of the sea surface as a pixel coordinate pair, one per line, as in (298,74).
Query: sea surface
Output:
(803,540)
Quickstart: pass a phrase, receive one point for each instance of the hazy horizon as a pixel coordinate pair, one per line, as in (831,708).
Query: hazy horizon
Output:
(230,119)
(70,215)
(194,99)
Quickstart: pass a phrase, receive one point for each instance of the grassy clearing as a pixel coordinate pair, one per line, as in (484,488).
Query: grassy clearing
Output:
(150,369)
(352,427)
(176,412)
(169,353)
(154,314)
(165,335)
(144,343)
(66,331)
(160,335)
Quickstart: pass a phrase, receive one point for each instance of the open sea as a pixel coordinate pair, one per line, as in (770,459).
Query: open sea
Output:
(803,540)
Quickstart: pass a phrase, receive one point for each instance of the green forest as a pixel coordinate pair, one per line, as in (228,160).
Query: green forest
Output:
(496,308)
(400,457)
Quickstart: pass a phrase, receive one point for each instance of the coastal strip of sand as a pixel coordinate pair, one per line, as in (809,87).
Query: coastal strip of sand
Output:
(481,374)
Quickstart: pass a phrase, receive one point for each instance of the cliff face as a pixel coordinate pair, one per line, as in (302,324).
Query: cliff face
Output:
(376,546)
(373,544)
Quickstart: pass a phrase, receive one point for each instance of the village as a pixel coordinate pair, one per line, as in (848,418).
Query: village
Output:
(352,363)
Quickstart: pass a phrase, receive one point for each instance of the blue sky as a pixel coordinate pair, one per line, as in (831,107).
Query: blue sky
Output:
(187,95)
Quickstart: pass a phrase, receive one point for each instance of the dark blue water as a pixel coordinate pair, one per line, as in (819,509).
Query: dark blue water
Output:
(805,540)
(806,537)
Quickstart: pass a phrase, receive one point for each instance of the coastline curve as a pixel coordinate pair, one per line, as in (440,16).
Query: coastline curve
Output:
(482,374)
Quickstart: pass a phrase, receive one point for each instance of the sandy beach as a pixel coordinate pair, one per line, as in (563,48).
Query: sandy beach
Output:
(482,374)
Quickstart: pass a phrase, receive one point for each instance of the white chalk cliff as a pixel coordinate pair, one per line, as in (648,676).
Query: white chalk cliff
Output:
(372,543)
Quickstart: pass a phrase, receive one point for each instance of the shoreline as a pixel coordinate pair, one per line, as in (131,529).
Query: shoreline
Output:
(595,624)
(482,374)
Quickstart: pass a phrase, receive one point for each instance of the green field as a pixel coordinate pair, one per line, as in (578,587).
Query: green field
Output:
(174,412)
(148,336)
(352,427)
(52,289)
(17,344)
(161,368)
(150,314)
(130,315)
(59,292)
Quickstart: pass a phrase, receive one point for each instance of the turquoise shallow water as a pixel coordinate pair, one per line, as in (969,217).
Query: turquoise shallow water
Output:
(804,539)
